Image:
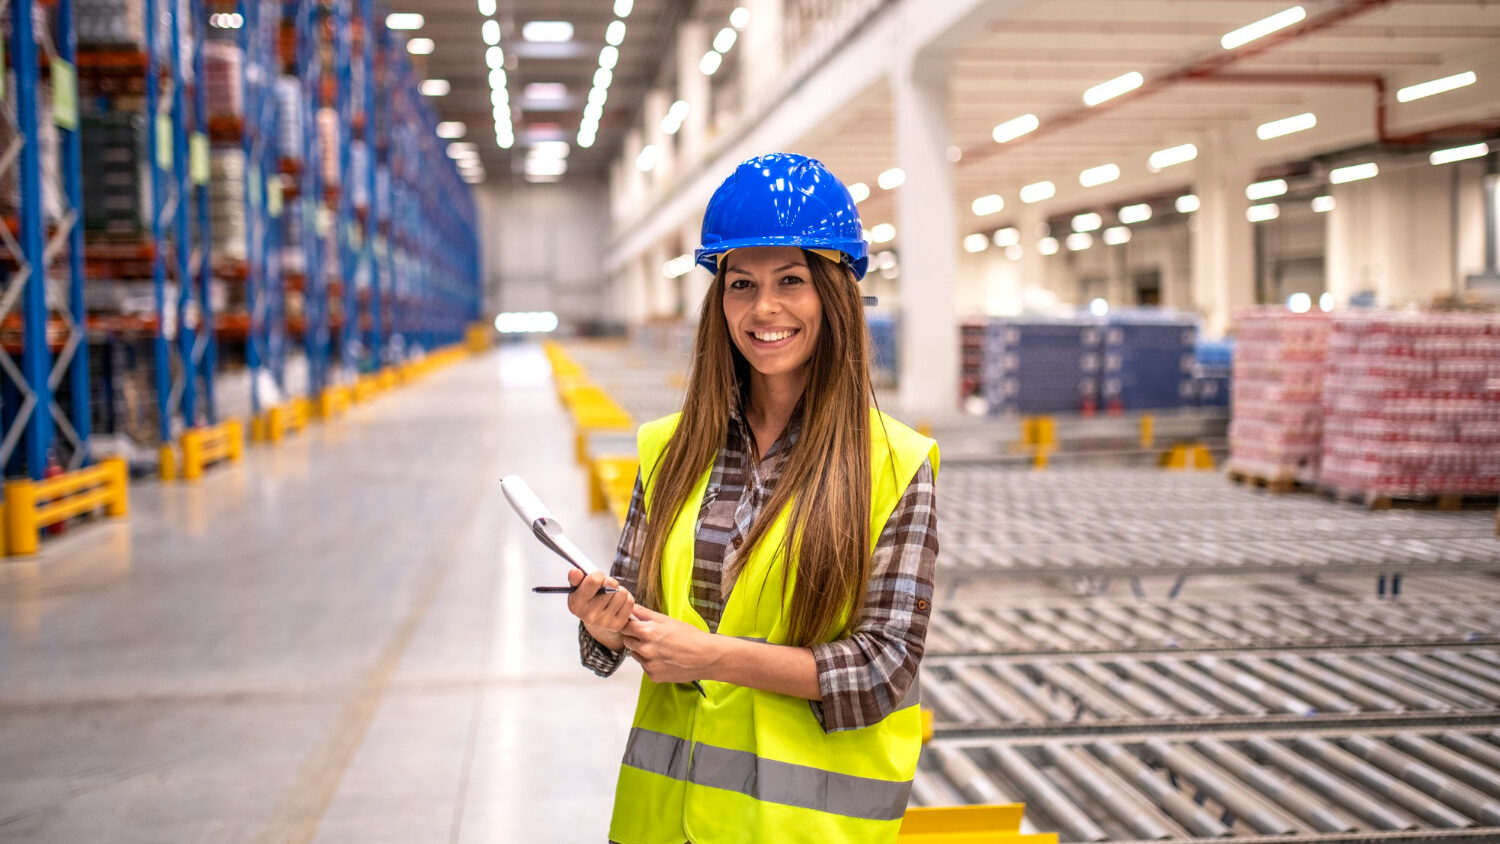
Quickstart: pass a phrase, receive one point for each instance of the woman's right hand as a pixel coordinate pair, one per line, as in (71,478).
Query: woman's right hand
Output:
(602,615)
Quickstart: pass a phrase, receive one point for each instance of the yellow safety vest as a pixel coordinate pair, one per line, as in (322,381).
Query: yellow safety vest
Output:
(743,765)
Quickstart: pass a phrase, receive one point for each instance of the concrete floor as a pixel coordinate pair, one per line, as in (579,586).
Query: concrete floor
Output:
(333,641)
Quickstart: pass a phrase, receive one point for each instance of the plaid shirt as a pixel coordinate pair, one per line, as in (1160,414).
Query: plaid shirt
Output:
(863,677)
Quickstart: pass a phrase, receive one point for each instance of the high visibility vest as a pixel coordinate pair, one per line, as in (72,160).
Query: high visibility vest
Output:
(743,765)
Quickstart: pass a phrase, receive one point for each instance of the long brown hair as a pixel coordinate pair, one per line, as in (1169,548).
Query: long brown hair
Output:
(826,478)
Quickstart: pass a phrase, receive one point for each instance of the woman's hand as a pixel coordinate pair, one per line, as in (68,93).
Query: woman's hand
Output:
(604,616)
(670,651)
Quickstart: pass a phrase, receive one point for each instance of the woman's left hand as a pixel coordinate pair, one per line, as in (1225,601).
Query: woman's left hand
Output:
(670,651)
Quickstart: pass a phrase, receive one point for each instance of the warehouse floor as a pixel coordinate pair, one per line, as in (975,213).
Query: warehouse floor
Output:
(334,641)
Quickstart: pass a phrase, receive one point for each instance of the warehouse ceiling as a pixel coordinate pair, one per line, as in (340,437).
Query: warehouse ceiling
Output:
(544,112)
(1042,59)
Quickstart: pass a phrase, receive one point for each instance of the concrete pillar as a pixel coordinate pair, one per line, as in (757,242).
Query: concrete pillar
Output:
(652,111)
(927,229)
(760,52)
(693,41)
(1223,256)
(635,180)
(1393,235)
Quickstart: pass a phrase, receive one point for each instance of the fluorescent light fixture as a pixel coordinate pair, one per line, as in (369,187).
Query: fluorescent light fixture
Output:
(1164,158)
(404,21)
(1116,235)
(1323,204)
(740,17)
(472,178)
(1100,175)
(497,78)
(1047,246)
(451,129)
(1436,86)
(598,96)
(1014,252)
(1038,191)
(1089,222)
(1464,153)
(623,7)
(1286,126)
(459,149)
(1266,189)
(505,139)
(545,91)
(434,87)
(891,179)
(1325,302)
(1079,241)
(1138,213)
(977,242)
(420,46)
(1354,172)
(1262,213)
(585,140)
(647,159)
(226,20)
(547,32)
(545,166)
(1263,27)
(549,149)
(487,7)
(500,99)
(1007,237)
(724,40)
(883,233)
(1113,88)
(1015,128)
(990,203)
(603,77)
(494,57)
(709,64)
(490,32)
(609,56)
(1186,204)
(1099,307)
(614,34)
(1299,303)
(675,116)
(859,192)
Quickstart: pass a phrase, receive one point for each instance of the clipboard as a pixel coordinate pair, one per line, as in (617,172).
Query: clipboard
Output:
(544,526)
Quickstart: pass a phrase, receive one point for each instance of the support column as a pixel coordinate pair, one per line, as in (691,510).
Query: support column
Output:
(1223,255)
(652,111)
(1392,235)
(692,87)
(761,46)
(927,230)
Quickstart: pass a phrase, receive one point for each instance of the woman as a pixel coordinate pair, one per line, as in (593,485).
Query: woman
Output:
(781,540)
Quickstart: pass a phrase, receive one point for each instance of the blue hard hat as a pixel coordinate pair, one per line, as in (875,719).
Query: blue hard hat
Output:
(783,199)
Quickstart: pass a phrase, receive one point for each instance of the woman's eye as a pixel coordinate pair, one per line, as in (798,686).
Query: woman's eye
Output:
(739,284)
(792,279)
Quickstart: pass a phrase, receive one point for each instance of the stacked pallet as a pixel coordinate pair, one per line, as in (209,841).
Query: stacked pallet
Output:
(970,358)
(223,72)
(1275,434)
(226,201)
(1412,404)
(289,117)
(115,183)
(1148,361)
(1211,372)
(1041,366)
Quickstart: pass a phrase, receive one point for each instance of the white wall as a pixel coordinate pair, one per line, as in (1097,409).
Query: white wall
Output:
(544,248)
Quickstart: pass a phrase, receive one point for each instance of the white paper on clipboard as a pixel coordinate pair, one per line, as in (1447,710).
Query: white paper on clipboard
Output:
(544,527)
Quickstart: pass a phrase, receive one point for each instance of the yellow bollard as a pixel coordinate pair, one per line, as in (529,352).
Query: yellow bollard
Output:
(1148,431)
(20,516)
(119,481)
(192,455)
(168,462)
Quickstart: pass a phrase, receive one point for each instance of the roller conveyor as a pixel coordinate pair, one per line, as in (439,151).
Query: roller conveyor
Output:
(1316,785)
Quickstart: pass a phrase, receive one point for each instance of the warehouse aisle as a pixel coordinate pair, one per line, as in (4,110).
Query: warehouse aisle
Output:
(334,641)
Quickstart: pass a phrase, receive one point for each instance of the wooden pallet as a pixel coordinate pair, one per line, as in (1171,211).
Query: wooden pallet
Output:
(1385,501)
(1277,483)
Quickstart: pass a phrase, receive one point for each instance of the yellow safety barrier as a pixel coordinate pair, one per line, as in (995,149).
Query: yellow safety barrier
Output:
(332,402)
(969,825)
(478,338)
(594,410)
(1148,431)
(211,444)
(611,481)
(273,425)
(1186,456)
(366,387)
(33,505)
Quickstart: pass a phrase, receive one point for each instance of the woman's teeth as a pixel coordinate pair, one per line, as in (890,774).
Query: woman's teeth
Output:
(771,336)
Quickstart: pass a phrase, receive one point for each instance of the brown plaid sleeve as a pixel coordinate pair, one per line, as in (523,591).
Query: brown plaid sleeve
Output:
(864,677)
(626,568)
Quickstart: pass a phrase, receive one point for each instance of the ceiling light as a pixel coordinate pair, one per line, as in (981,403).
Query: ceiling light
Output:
(549,149)
(1102,174)
(451,129)
(614,34)
(1116,235)
(988,204)
(1134,213)
(403,20)
(472,178)
(585,139)
(420,46)
(545,166)
(1323,204)
(505,139)
(487,8)
(1038,191)
(1047,246)
(977,242)
(547,32)
(494,57)
(1464,153)
(1354,173)
(859,192)
(434,87)
(1286,126)
(1436,86)
(1014,252)
(1015,128)
(675,116)
(883,233)
(623,7)
(740,17)
(1186,204)
(1007,237)
(1299,303)
(497,78)
(891,179)
(499,98)
(609,57)
(1113,88)
(1164,158)
(458,149)
(1263,27)
(598,96)
(1087,222)
(724,40)
(545,91)
(1262,213)
(603,77)
(646,160)
(1079,241)
(1266,189)
(710,63)
(490,32)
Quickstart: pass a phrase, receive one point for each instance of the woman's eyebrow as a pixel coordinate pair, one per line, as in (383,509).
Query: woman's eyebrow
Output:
(780,269)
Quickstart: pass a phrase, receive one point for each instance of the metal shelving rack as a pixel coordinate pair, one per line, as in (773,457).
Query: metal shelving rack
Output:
(346,235)
(310,22)
(39,432)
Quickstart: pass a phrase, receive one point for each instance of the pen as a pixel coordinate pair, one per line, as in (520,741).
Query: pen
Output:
(568,590)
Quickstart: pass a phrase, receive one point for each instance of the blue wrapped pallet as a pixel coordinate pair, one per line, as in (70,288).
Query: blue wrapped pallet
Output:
(1211,372)
(1148,361)
(1041,366)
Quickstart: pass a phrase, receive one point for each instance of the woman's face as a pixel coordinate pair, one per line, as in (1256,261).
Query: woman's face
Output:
(771,308)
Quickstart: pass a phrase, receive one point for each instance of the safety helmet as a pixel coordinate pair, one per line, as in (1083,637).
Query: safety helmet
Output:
(783,199)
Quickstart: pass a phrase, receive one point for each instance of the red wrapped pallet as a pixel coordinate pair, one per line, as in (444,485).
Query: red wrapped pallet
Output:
(1276,415)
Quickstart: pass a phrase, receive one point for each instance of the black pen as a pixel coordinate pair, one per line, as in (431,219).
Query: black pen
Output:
(568,590)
